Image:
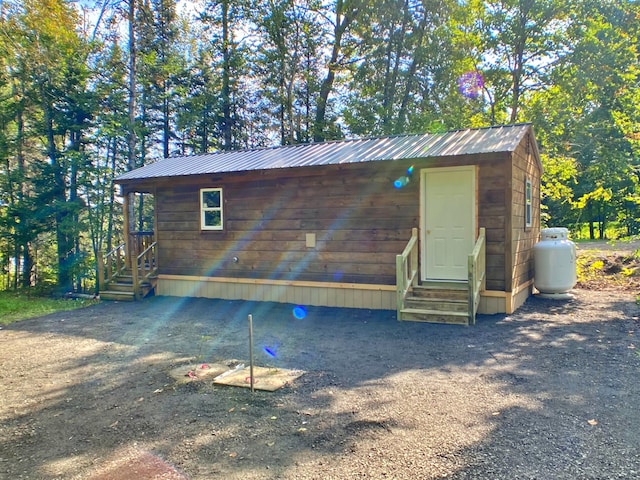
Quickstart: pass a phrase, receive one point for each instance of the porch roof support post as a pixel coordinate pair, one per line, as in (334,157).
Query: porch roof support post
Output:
(127,228)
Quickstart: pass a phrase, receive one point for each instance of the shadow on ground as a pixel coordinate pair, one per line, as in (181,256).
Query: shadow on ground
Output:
(549,392)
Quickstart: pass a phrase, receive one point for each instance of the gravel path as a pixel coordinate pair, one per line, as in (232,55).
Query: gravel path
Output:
(550,392)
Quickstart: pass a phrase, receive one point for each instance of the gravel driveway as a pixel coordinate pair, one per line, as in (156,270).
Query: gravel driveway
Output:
(550,392)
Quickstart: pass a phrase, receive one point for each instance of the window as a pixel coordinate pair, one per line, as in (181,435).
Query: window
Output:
(527,204)
(211,209)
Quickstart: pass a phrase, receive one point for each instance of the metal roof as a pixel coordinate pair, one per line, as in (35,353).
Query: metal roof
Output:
(401,147)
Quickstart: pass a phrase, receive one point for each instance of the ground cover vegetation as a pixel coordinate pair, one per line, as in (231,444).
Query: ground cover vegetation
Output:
(92,89)
(16,305)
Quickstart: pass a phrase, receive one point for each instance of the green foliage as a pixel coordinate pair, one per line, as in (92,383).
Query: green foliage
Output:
(588,115)
(588,267)
(15,306)
(556,190)
(248,74)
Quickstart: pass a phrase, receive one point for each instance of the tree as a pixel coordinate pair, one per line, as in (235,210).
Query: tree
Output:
(522,41)
(52,56)
(345,13)
(588,114)
(288,66)
(409,59)
(226,21)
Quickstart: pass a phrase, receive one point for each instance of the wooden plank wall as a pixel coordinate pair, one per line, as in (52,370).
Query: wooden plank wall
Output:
(360,221)
(380,297)
(493,211)
(525,166)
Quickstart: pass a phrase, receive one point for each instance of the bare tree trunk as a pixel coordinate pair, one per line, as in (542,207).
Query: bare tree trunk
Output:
(343,21)
(413,68)
(391,74)
(227,121)
(131,137)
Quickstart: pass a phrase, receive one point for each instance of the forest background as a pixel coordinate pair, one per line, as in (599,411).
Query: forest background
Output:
(89,90)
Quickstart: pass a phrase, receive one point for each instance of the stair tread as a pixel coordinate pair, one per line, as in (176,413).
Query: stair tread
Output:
(437,299)
(442,286)
(434,312)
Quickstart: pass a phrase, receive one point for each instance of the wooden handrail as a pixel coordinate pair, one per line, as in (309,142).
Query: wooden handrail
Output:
(477,274)
(111,264)
(145,267)
(406,270)
(119,260)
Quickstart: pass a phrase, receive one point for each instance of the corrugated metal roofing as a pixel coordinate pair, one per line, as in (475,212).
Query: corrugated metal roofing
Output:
(459,142)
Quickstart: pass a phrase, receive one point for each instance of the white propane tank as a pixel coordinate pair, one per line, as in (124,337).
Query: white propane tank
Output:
(555,263)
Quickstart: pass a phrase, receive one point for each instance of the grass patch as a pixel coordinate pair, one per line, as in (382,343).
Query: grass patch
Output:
(15,306)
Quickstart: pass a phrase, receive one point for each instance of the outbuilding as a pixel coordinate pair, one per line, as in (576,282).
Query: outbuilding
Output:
(435,226)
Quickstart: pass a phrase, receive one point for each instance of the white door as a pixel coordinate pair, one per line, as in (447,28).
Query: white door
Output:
(448,222)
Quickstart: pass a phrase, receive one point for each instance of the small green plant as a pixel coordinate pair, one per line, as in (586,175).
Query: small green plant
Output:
(588,267)
(628,272)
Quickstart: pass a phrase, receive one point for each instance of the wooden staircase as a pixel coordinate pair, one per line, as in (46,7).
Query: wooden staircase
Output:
(437,302)
(121,288)
(118,281)
(454,302)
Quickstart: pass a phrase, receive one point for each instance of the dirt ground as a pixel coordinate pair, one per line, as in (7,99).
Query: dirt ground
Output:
(550,392)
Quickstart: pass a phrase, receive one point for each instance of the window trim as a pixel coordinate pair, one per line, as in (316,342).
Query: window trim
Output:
(528,203)
(204,210)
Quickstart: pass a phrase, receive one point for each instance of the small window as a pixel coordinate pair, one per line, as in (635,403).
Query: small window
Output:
(211,209)
(527,204)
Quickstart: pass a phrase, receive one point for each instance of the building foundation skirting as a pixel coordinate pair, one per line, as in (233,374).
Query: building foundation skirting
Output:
(326,294)
(329,294)
(494,301)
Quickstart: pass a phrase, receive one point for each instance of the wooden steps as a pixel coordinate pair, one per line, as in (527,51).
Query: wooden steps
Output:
(437,302)
(121,289)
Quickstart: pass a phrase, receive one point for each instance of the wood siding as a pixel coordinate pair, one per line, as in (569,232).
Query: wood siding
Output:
(525,167)
(360,221)
(493,210)
(376,297)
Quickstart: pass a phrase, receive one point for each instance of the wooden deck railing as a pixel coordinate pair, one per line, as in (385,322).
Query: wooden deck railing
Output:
(111,265)
(477,274)
(139,242)
(140,260)
(406,270)
(145,268)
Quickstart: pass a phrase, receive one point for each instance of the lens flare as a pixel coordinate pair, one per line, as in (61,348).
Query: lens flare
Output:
(470,84)
(401,182)
(269,351)
(405,179)
(299,312)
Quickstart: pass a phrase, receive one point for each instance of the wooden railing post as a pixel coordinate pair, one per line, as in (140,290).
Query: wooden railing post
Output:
(135,281)
(400,276)
(414,258)
(406,271)
(472,288)
(477,274)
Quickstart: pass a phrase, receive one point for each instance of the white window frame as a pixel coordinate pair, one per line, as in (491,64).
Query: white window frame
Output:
(204,209)
(528,203)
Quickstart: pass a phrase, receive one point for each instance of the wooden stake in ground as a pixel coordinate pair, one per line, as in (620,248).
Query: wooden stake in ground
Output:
(251,351)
